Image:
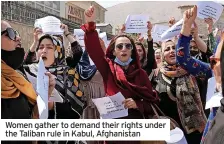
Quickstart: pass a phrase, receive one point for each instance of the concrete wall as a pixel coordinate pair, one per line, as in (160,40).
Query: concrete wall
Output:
(26,33)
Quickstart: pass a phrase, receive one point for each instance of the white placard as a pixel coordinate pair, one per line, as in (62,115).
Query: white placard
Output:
(136,24)
(79,33)
(42,90)
(212,97)
(103,36)
(209,9)
(176,137)
(111,106)
(173,31)
(49,25)
(158,31)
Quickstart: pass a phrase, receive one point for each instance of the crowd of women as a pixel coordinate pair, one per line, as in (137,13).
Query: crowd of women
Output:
(170,76)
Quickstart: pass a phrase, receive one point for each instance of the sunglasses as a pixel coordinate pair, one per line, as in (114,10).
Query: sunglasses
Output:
(213,61)
(126,45)
(11,33)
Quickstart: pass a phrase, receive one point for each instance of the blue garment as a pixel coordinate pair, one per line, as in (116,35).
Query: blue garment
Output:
(190,64)
(116,60)
(85,70)
(212,114)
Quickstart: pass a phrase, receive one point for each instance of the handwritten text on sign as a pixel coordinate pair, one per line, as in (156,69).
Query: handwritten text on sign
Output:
(136,24)
(111,106)
(49,25)
(209,9)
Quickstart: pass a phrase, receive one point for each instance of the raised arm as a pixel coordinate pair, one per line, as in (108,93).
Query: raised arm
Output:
(92,43)
(193,66)
(151,62)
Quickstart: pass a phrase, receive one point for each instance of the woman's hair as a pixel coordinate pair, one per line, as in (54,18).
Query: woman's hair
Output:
(143,49)
(111,47)
(157,44)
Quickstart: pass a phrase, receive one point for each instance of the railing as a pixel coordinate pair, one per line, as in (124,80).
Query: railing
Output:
(15,11)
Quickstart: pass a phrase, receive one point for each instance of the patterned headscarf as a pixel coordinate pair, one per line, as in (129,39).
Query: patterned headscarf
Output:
(68,83)
(59,53)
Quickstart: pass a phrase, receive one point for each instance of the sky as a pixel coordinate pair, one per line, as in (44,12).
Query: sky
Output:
(109,3)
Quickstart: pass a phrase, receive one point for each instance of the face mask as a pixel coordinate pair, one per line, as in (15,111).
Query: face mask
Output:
(14,58)
(193,53)
(122,63)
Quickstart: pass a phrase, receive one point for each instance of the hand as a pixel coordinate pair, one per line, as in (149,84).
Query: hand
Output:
(52,83)
(36,33)
(130,103)
(149,26)
(194,31)
(65,28)
(122,28)
(189,17)
(172,21)
(141,39)
(90,14)
(209,22)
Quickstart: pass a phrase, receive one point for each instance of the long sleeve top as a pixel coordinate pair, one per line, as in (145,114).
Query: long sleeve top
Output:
(97,54)
(151,62)
(192,65)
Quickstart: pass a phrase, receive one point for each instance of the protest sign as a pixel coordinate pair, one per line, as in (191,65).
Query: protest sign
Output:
(79,33)
(49,25)
(172,31)
(42,90)
(111,107)
(209,9)
(136,24)
(103,36)
(158,31)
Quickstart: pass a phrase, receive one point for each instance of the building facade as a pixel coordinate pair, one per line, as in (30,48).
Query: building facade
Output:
(22,18)
(100,11)
(51,7)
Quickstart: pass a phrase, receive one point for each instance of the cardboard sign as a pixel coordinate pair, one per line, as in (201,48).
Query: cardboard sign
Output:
(49,25)
(136,24)
(209,9)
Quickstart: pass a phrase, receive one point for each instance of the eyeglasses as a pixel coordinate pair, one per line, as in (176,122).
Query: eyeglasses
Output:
(122,45)
(10,33)
(213,61)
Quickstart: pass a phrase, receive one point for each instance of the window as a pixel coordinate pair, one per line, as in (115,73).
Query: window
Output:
(48,10)
(48,3)
(56,13)
(40,7)
(56,5)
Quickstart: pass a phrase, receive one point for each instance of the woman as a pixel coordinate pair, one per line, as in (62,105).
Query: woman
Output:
(216,63)
(92,83)
(51,50)
(147,59)
(120,69)
(192,66)
(214,128)
(18,97)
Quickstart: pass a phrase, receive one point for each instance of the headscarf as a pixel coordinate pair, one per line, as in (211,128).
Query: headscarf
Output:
(85,70)
(13,84)
(135,79)
(67,78)
(187,95)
